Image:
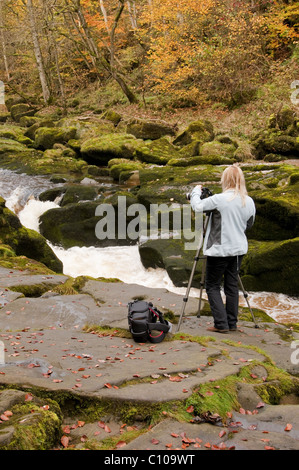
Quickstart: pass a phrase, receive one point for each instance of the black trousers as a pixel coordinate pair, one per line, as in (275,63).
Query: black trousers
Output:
(226,269)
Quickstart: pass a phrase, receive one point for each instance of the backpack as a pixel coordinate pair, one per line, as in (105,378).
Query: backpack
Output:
(146,323)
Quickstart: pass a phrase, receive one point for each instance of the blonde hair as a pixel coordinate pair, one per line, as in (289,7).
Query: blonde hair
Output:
(233,178)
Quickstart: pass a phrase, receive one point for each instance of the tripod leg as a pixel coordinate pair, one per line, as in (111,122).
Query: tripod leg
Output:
(185,299)
(246,298)
(202,283)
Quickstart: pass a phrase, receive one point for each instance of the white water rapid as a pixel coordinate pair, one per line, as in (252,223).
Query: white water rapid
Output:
(21,194)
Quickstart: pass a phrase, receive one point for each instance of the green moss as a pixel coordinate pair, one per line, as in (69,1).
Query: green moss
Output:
(46,137)
(196,131)
(35,428)
(35,290)
(272,266)
(99,150)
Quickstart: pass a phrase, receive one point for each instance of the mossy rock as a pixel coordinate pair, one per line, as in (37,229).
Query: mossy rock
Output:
(4,116)
(272,266)
(52,194)
(277,213)
(32,425)
(149,130)
(28,121)
(77,224)
(78,192)
(201,131)
(24,241)
(12,132)
(6,251)
(220,150)
(283,120)
(171,256)
(112,116)
(30,131)
(275,142)
(100,150)
(159,152)
(46,137)
(9,146)
(183,162)
(120,166)
(20,110)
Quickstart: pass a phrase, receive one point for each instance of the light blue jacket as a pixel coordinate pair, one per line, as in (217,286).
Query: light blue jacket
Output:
(225,234)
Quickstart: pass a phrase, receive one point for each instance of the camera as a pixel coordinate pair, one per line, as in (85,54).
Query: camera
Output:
(205,192)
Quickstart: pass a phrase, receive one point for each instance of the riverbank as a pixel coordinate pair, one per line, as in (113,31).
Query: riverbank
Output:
(76,350)
(72,376)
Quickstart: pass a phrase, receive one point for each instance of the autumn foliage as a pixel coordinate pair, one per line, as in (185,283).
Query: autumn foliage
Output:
(192,51)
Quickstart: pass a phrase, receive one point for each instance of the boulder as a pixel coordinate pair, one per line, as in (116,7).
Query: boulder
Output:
(78,192)
(24,241)
(31,130)
(9,146)
(272,266)
(159,152)
(283,120)
(31,423)
(4,116)
(149,130)
(77,224)
(218,153)
(171,256)
(201,131)
(20,110)
(276,142)
(99,150)
(45,137)
(120,169)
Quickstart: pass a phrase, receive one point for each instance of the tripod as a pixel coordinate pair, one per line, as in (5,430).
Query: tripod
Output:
(202,280)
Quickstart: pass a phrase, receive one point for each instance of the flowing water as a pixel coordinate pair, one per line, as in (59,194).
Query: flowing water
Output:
(21,194)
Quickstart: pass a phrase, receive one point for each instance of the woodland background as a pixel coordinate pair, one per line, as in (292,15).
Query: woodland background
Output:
(161,55)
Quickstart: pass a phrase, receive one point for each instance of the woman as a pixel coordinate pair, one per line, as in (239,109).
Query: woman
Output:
(233,212)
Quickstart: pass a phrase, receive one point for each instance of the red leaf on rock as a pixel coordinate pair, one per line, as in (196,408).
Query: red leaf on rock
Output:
(288,427)
(64,441)
(120,444)
(155,441)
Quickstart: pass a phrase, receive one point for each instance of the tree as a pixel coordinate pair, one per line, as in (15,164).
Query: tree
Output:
(3,43)
(37,52)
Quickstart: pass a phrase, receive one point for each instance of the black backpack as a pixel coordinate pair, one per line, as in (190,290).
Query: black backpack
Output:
(146,323)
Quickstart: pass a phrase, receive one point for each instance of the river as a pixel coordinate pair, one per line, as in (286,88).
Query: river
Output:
(21,194)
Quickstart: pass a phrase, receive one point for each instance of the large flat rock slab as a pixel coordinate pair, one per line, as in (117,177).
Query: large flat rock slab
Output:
(105,366)
(69,311)
(11,277)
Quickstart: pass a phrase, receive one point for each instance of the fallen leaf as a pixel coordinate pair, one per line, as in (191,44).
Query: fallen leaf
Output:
(288,427)
(155,441)
(64,441)
(120,444)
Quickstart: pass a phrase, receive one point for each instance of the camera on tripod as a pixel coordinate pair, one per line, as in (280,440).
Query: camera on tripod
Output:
(205,192)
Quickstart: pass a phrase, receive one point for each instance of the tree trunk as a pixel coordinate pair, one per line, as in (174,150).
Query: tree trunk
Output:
(125,88)
(37,52)
(3,44)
